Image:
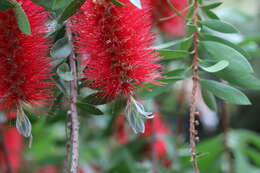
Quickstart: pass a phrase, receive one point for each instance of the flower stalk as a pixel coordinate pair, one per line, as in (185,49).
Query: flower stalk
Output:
(195,81)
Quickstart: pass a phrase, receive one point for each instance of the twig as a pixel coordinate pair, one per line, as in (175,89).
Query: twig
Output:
(195,80)
(226,128)
(73,94)
(5,152)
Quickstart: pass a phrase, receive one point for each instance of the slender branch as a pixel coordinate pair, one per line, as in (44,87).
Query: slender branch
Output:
(195,80)
(73,94)
(226,128)
(5,152)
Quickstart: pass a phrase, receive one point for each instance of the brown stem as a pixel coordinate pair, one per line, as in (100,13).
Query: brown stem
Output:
(195,80)
(73,94)
(5,152)
(226,128)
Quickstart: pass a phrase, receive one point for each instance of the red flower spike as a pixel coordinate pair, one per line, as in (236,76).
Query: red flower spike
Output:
(117,41)
(24,67)
(175,25)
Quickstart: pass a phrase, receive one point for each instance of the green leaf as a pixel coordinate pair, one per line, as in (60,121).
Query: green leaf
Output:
(4,5)
(220,52)
(118,3)
(96,99)
(176,72)
(137,3)
(58,4)
(225,92)
(172,54)
(70,10)
(47,4)
(169,80)
(211,6)
(209,99)
(89,108)
(216,67)
(22,20)
(210,14)
(171,43)
(61,49)
(238,78)
(220,26)
(64,72)
(208,37)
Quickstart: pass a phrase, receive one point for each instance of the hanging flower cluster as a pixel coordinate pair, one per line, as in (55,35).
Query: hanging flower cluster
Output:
(116,41)
(24,67)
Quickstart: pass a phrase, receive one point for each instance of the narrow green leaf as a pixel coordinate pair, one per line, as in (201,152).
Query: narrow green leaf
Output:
(209,99)
(171,43)
(70,10)
(90,108)
(5,5)
(176,72)
(47,4)
(22,20)
(61,49)
(64,72)
(96,99)
(211,6)
(118,3)
(172,54)
(225,92)
(238,78)
(58,4)
(169,80)
(210,14)
(216,67)
(137,3)
(220,52)
(220,26)
(208,37)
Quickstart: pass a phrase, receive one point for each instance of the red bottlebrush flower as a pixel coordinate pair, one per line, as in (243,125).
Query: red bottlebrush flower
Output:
(160,127)
(120,131)
(117,42)
(173,26)
(24,67)
(13,143)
